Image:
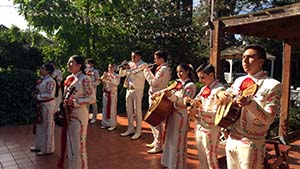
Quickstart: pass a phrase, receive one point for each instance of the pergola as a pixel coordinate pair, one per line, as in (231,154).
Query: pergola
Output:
(281,23)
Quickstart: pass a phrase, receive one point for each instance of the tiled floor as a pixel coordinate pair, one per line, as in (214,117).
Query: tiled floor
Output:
(106,150)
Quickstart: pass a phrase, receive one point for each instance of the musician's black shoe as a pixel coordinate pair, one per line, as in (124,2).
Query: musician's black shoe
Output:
(34,149)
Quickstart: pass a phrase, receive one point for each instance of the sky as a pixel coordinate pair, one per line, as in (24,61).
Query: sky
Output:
(9,14)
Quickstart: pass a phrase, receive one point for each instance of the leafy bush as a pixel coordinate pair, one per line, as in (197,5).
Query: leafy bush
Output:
(294,119)
(293,122)
(16,103)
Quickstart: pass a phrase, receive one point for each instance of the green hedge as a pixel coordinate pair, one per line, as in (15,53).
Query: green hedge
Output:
(16,103)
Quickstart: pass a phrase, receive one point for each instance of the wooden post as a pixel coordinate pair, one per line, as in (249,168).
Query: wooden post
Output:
(215,48)
(286,74)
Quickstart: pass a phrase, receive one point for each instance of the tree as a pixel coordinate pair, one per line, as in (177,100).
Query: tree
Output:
(17,49)
(109,30)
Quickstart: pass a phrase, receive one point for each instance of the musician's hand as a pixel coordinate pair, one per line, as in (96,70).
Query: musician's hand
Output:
(104,76)
(223,96)
(243,101)
(154,95)
(168,93)
(144,66)
(126,66)
(69,103)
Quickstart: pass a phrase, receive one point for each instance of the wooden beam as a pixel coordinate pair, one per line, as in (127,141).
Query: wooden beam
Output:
(286,74)
(215,52)
(279,13)
(284,30)
(266,19)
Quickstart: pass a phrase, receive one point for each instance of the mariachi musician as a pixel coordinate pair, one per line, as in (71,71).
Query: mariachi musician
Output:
(157,82)
(245,145)
(75,131)
(110,81)
(134,82)
(206,132)
(45,106)
(57,76)
(94,74)
(175,147)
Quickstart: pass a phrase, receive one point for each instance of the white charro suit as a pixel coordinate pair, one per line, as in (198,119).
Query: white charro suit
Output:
(245,145)
(94,74)
(110,98)
(83,96)
(175,149)
(45,128)
(157,82)
(135,82)
(206,132)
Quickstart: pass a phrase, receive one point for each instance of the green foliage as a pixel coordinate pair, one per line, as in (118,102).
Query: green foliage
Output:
(16,50)
(199,85)
(16,103)
(294,119)
(108,30)
(293,122)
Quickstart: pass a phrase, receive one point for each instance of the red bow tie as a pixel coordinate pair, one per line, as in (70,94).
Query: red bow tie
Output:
(89,73)
(69,81)
(246,83)
(39,81)
(206,92)
(179,85)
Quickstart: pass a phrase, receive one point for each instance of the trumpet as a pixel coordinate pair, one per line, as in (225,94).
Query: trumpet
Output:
(122,65)
(141,68)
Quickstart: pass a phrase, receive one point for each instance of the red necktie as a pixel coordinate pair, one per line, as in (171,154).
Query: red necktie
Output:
(206,92)
(246,83)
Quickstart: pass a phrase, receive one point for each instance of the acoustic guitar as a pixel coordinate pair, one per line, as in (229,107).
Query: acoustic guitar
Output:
(229,112)
(161,107)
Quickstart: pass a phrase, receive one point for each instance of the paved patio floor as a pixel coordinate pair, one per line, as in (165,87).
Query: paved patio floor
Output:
(106,149)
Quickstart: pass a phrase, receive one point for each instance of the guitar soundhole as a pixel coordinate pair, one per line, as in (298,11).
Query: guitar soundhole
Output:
(234,113)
